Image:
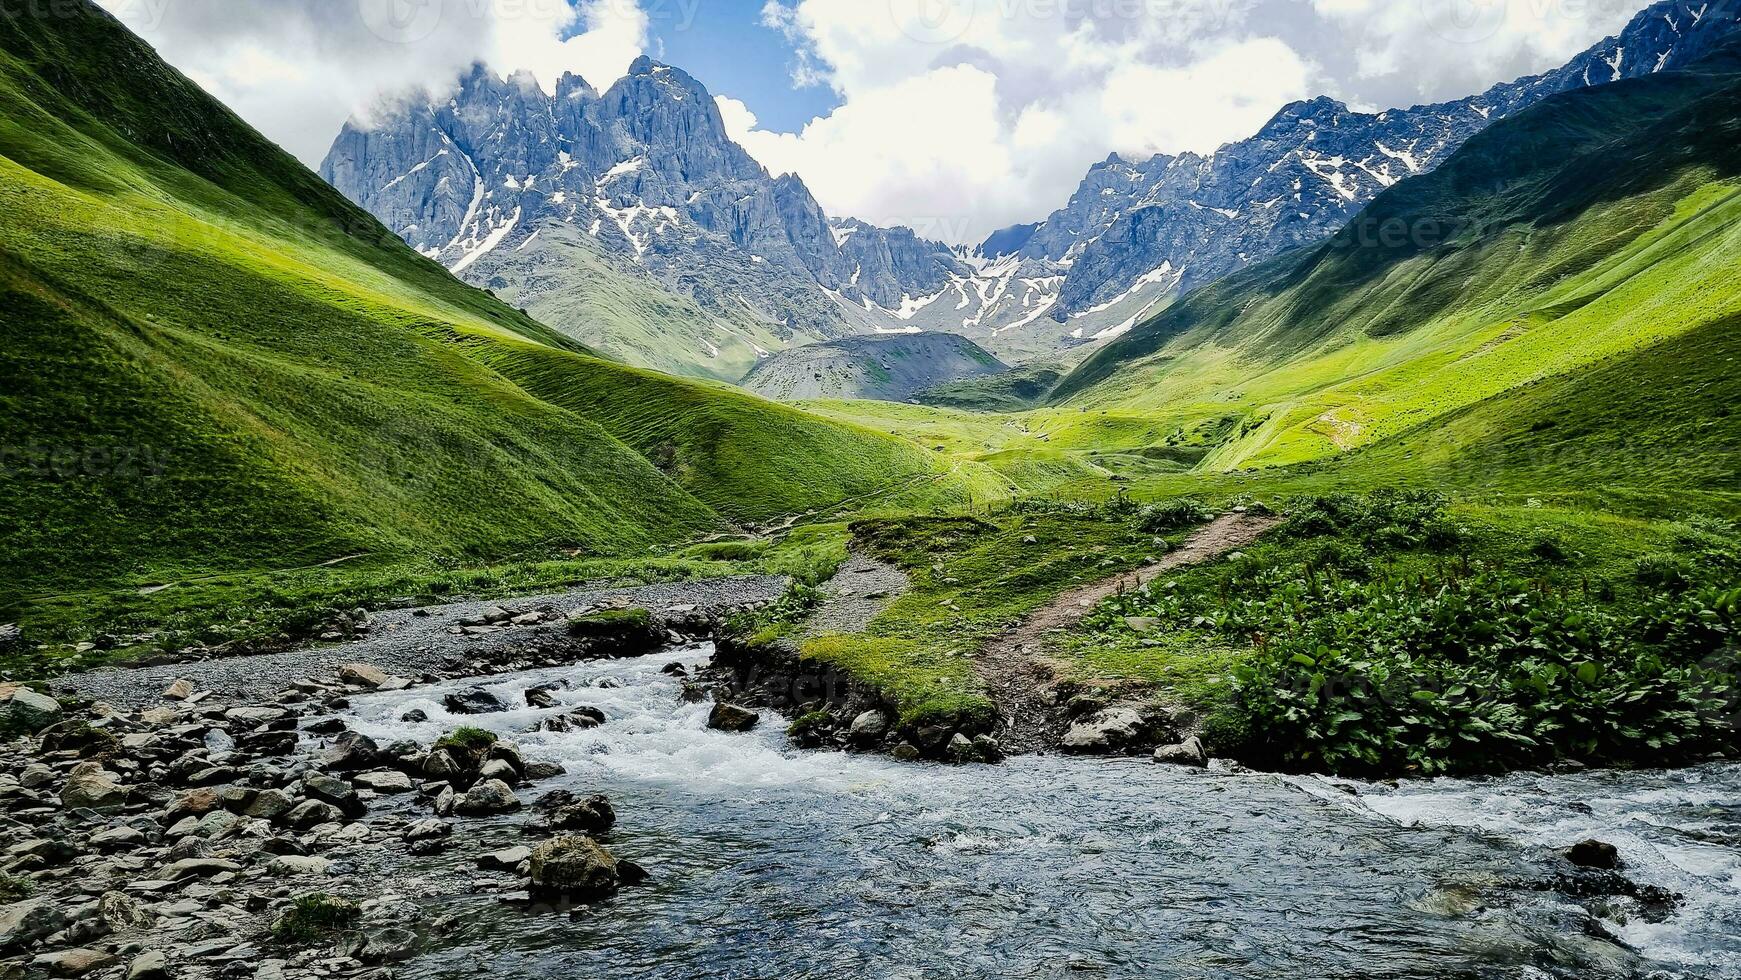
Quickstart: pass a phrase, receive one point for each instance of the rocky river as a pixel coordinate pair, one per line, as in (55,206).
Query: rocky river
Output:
(169,829)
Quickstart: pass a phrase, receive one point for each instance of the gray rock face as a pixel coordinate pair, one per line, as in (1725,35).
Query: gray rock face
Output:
(891,367)
(646,175)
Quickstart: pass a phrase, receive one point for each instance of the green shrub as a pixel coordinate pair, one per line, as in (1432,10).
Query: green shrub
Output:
(312,917)
(15,888)
(467,739)
(1481,674)
(1173,515)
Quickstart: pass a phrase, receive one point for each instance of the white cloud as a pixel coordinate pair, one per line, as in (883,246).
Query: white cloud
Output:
(974,114)
(298,68)
(1430,51)
(961,116)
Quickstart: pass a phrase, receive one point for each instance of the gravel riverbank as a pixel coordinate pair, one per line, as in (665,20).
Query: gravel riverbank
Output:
(411,642)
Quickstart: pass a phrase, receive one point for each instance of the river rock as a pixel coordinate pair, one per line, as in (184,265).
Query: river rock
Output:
(363,675)
(117,839)
(541,697)
(473,701)
(73,962)
(149,965)
(573,866)
(193,803)
(180,690)
(23,923)
(906,752)
(1109,730)
(499,769)
(313,813)
(416,716)
(392,945)
(122,912)
(24,710)
(35,776)
(450,765)
(487,797)
(257,714)
(199,868)
(269,804)
(504,860)
(1594,854)
(293,865)
(385,781)
(333,790)
(90,786)
(352,752)
(731,718)
(593,816)
(869,727)
(424,830)
(576,720)
(1190,752)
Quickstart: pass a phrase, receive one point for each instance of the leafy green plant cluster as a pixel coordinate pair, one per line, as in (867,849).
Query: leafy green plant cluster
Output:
(467,739)
(1373,651)
(1485,673)
(762,626)
(1173,515)
(1384,519)
(15,888)
(314,916)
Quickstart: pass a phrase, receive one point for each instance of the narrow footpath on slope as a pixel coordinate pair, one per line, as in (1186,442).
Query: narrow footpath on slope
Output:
(1012,668)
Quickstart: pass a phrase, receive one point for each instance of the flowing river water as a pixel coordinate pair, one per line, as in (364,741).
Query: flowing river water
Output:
(769,861)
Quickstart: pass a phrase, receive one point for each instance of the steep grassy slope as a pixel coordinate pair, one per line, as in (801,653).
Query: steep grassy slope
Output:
(564,280)
(891,367)
(1598,224)
(749,459)
(213,361)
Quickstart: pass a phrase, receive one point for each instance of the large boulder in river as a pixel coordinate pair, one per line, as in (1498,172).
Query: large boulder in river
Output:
(488,797)
(573,866)
(352,752)
(1594,854)
(473,701)
(731,718)
(25,711)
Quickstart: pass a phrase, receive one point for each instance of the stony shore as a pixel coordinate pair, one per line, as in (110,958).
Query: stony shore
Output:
(215,819)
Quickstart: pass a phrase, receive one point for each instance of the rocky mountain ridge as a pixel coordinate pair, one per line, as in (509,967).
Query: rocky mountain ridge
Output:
(631,220)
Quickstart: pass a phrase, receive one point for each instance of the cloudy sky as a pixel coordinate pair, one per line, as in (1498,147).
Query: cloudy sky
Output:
(954,116)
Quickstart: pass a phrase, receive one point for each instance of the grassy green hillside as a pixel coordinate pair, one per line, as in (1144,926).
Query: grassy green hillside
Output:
(214,361)
(564,281)
(1598,225)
